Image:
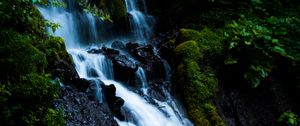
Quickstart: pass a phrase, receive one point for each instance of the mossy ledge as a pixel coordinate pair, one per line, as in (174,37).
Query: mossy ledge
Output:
(197,85)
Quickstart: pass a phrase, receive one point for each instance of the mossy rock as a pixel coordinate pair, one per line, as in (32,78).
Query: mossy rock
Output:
(55,50)
(209,42)
(197,86)
(188,50)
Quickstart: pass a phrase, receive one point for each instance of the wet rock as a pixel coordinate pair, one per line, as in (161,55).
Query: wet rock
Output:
(92,73)
(124,68)
(114,103)
(95,51)
(63,69)
(118,45)
(131,45)
(156,90)
(80,83)
(143,54)
(80,110)
(93,88)
(110,51)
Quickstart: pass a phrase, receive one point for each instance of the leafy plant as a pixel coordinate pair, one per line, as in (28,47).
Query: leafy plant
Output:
(259,42)
(288,118)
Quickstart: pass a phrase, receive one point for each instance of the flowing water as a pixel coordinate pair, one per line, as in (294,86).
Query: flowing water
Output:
(97,67)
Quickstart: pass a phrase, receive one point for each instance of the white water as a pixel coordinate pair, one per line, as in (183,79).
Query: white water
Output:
(139,22)
(96,67)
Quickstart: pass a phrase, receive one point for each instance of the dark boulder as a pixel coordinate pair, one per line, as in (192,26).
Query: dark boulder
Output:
(81,84)
(92,73)
(132,45)
(82,110)
(156,90)
(114,103)
(95,51)
(124,68)
(63,70)
(110,51)
(118,45)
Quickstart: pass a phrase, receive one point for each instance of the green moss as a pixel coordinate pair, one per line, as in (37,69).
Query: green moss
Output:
(209,42)
(212,115)
(197,87)
(187,34)
(188,50)
(55,49)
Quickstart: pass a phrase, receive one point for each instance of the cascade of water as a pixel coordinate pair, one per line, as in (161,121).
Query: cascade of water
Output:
(97,67)
(139,22)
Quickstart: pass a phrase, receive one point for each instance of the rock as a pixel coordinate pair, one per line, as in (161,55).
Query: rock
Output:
(88,113)
(143,54)
(114,103)
(81,84)
(110,51)
(124,68)
(118,45)
(95,51)
(63,69)
(156,90)
(92,73)
(131,45)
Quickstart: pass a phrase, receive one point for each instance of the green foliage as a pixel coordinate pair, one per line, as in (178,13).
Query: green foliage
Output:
(52,25)
(26,102)
(55,49)
(259,42)
(288,118)
(22,16)
(26,91)
(19,56)
(188,50)
(96,11)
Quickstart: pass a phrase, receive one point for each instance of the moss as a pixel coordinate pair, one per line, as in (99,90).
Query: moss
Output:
(55,49)
(188,50)
(187,34)
(209,42)
(197,87)
(212,114)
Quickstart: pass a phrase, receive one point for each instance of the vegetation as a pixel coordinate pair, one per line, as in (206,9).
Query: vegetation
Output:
(27,93)
(288,118)
(197,85)
(250,37)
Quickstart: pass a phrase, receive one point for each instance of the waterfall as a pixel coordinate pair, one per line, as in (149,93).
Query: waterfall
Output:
(97,67)
(139,22)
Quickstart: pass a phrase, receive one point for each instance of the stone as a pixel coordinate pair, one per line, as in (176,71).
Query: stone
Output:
(95,51)
(118,45)
(124,68)
(110,51)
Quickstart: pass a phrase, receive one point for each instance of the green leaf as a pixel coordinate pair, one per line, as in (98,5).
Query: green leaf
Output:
(279,49)
(275,41)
